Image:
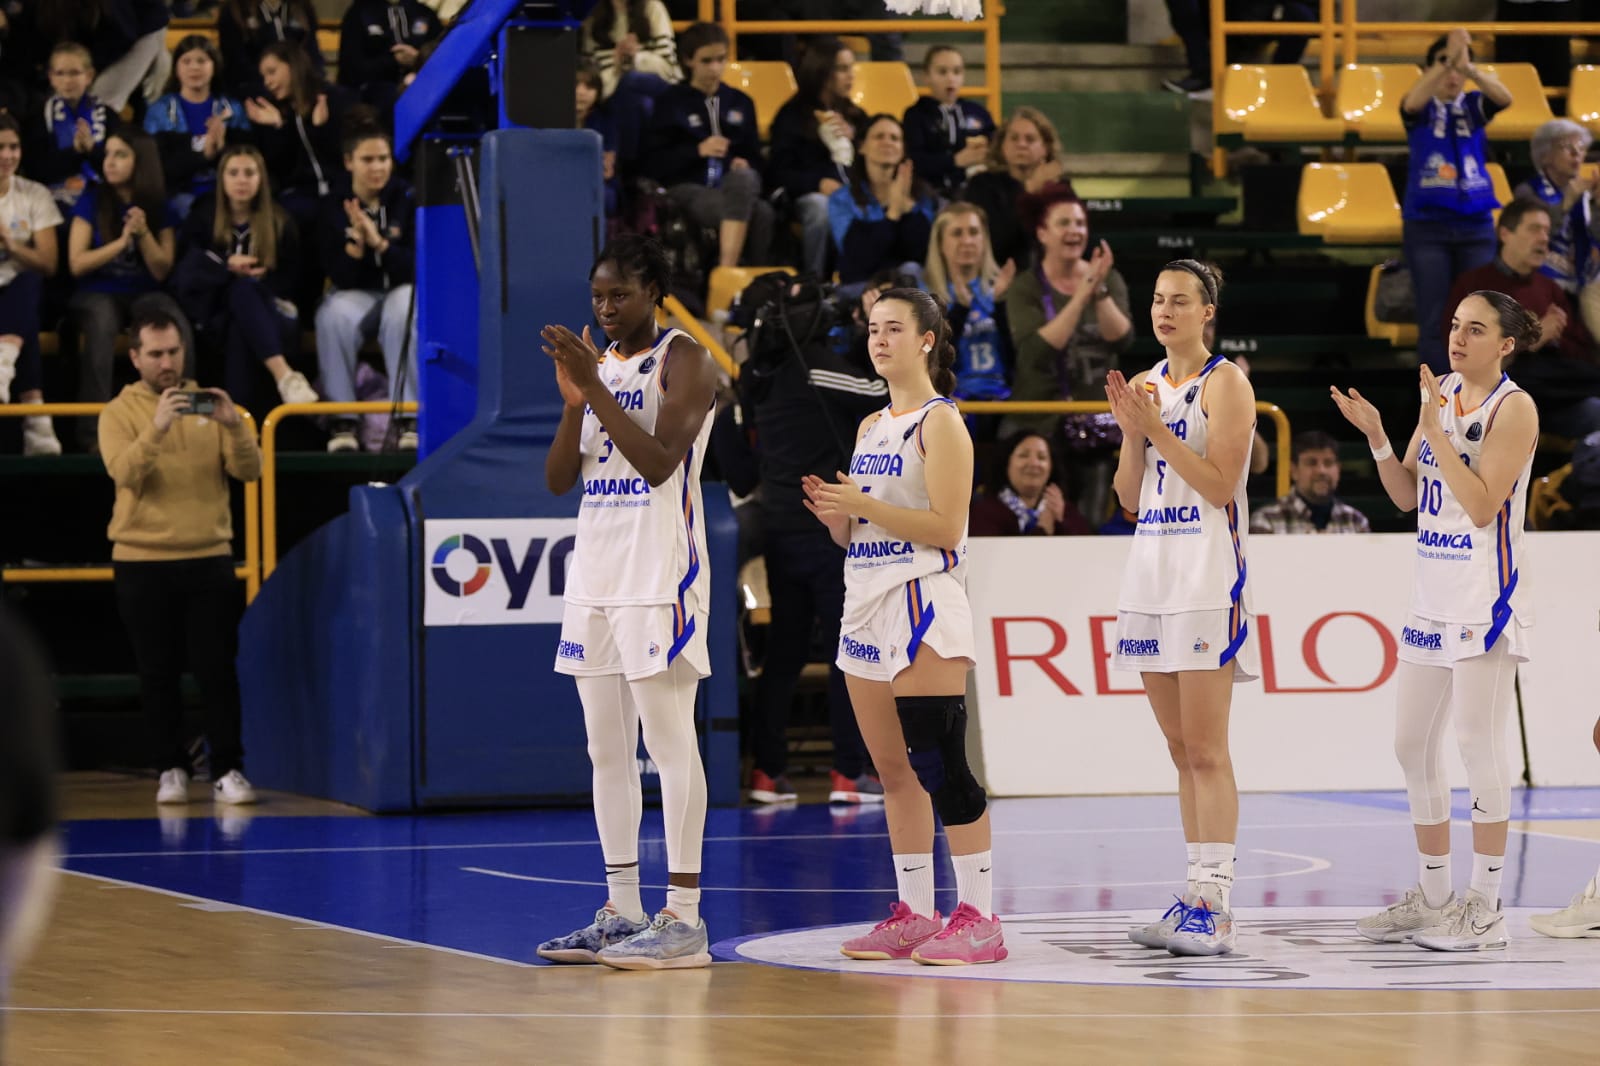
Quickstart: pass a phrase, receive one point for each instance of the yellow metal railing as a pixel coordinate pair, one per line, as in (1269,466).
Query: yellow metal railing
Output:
(1100,407)
(1343,30)
(249,572)
(988,25)
(674,310)
(269,459)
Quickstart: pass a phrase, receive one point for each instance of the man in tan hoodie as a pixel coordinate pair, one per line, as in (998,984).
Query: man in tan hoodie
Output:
(172,550)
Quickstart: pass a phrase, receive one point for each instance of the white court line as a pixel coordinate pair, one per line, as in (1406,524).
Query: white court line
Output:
(396,940)
(1314,865)
(943,1016)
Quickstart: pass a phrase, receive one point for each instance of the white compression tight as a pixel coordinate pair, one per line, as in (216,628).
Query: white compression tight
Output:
(1477,693)
(614,709)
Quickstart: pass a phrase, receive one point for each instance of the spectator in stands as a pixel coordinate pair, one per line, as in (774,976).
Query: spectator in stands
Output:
(127,41)
(1558,148)
(28,255)
(883,217)
(246,27)
(192,122)
(368,241)
(595,114)
(121,248)
(947,137)
(1024,157)
(236,278)
(172,551)
(631,43)
(1070,322)
(65,150)
(1449,198)
(703,146)
(380,43)
(1023,497)
(1311,506)
(1562,371)
(960,267)
(813,143)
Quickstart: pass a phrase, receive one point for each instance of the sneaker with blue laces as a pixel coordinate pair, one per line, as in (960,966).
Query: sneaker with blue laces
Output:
(583,945)
(668,943)
(1203,931)
(1157,933)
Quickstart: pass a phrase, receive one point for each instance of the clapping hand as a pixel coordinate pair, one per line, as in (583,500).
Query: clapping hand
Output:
(823,500)
(1134,408)
(261,112)
(1100,263)
(1003,280)
(82,138)
(577,362)
(1360,413)
(362,230)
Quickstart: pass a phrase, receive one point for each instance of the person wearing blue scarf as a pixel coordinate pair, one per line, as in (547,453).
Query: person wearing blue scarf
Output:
(1449,198)
(75,126)
(1558,148)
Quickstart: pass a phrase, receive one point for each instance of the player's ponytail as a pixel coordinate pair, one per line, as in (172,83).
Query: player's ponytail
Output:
(1516,321)
(929,312)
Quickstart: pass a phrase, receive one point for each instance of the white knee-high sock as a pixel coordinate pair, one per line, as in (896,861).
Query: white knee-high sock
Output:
(666,714)
(612,726)
(913,877)
(975,882)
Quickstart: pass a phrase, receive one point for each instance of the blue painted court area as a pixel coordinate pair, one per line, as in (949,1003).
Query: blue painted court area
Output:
(497,883)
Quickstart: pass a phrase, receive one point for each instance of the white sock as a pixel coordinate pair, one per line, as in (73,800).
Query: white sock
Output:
(8,369)
(1486,874)
(913,876)
(685,903)
(1215,873)
(1433,875)
(975,882)
(622,884)
(1191,874)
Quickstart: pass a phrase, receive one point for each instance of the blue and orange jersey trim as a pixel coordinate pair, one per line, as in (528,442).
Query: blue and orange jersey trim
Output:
(920,615)
(682,620)
(1238,624)
(1505,574)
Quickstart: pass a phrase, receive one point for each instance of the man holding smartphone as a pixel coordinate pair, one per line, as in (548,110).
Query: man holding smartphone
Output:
(172,550)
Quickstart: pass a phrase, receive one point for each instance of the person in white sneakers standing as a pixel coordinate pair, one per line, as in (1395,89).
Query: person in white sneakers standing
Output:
(1465,472)
(170,448)
(1580,918)
(28,250)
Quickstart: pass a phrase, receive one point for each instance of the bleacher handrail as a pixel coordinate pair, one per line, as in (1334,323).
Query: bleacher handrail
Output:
(696,329)
(249,571)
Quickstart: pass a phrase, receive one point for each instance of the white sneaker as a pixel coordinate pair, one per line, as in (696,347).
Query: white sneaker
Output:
(1401,921)
(1579,919)
(233,787)
(39,436)
(174,786)
(343,440)
(1158,932)
(1469,924)
(294,388)
(1203,931)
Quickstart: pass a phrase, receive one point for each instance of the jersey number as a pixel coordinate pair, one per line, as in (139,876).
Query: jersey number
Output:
(1161,475)
(1431,498)
(607,442)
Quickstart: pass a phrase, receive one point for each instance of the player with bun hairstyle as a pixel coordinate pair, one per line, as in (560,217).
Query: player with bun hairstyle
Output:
(1184,615)
(1466,473)
(906,641)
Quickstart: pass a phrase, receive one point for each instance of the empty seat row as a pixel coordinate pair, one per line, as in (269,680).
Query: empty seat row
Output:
(1355,203)
(885,87)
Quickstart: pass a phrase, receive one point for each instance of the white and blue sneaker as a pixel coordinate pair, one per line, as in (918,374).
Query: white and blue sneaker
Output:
(584,945)
(668,943)
(1157,933)
(1203,931)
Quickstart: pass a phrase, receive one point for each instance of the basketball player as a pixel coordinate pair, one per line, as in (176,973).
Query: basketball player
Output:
(1465,472)
(1183,619)
(1581,917)
(633,431)
(906,641)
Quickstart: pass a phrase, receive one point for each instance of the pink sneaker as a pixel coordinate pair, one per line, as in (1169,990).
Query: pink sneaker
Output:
(968,938)
(896,937)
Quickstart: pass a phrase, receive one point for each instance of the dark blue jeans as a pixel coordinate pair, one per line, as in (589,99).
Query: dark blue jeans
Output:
(19,314)
(1437,253)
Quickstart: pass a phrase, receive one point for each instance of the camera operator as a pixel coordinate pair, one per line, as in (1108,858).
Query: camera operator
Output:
(170,447)
(804,388)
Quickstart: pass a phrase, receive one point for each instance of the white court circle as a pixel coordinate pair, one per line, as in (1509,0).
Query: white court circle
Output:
(1279,947)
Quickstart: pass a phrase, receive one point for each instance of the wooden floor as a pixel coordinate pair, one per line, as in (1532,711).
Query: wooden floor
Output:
(132,975)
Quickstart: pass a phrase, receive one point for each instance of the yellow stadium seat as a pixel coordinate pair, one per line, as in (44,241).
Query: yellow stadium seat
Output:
(1583,98)
(1529,108)
(1349,203)
(1368,99)
(1399,334)
(728,282)
(884,88)
(1502,187)
(769,83)
(1275,103)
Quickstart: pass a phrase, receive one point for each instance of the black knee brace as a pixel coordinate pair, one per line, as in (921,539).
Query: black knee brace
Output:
(935,728)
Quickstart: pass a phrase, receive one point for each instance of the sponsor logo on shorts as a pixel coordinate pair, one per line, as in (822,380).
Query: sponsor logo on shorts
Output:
(1200,645)
(1416,638)
(1138,647)
(1466,634)
(653,650)
(856,649)
(570,649)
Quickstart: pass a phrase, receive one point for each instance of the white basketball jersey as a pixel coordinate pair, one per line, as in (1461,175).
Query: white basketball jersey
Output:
(1187,555)
(1467,573)
(889,464)
(637,544)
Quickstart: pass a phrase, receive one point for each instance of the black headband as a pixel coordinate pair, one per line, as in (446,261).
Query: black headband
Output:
(1207,285)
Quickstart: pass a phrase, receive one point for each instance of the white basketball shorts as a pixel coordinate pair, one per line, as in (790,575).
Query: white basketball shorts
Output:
(929,612)
(635,641)
(1426,642)
(1193,640)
